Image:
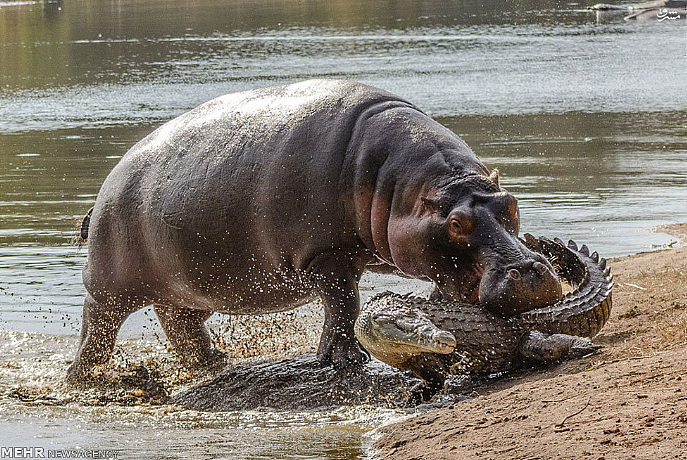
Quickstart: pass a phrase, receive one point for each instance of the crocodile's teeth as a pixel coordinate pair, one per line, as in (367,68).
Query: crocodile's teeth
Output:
(572,245)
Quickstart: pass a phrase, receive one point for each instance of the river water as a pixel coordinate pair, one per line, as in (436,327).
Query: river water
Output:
(585,115)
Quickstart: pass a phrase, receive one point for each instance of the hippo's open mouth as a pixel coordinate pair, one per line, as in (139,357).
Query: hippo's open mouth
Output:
(505,288)
(472,287)
(528,283)
(467,287)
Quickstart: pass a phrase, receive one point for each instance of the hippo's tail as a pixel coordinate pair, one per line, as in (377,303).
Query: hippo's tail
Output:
(83,228)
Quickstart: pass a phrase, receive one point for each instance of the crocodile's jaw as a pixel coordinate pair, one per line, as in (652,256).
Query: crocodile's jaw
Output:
(396,336)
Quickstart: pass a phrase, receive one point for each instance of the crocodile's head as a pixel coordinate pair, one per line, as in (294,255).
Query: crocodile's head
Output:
(395,334)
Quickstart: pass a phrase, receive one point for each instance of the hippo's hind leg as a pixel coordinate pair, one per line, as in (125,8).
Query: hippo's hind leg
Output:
(336,276)
(186,331)
(99,328)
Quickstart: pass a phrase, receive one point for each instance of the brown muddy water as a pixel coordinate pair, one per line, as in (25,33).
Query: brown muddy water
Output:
(584,114)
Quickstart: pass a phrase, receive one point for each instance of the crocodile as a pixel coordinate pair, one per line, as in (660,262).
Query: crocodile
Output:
(433,338)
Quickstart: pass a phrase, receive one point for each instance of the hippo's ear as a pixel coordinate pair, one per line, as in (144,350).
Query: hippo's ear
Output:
(494,177)
(429,206)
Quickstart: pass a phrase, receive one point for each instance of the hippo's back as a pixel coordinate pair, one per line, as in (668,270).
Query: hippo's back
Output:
(246,119)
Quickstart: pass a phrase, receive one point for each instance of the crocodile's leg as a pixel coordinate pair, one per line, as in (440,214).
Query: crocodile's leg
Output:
(432,370)
(542,347)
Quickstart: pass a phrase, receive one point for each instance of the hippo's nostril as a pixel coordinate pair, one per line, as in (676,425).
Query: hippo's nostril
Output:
(540,267)
(514,274)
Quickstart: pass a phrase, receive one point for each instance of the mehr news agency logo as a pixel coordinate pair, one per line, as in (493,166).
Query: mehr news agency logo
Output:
(41,452)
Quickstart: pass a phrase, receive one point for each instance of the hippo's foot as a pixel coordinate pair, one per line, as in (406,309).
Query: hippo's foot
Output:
(341,353)
(336,275)
(77,375)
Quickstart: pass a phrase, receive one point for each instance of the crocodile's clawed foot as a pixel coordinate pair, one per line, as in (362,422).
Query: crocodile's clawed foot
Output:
(582,347)
(421,393)
(555,347)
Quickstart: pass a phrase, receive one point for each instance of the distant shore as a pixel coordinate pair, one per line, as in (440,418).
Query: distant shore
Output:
(628,401)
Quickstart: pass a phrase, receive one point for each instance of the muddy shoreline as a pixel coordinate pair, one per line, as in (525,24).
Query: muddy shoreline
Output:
(629,401)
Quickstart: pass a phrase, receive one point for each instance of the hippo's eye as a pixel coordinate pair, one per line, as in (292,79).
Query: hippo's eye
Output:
(459,227)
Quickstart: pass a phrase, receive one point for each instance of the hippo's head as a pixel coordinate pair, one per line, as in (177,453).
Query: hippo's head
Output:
(463,235)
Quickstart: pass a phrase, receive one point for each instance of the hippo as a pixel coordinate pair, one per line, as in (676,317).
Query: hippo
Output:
(261,201)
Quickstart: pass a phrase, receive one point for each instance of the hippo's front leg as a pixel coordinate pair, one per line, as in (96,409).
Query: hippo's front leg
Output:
(336,276)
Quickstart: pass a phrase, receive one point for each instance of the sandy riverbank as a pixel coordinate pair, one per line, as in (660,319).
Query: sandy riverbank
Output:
(629,401)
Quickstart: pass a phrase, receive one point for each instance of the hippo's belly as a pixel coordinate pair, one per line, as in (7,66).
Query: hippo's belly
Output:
(267,294)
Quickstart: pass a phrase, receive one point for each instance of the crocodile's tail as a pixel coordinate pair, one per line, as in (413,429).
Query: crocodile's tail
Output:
(584,311)
(83,228)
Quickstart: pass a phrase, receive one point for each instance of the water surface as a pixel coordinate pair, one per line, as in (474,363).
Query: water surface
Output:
(585,116)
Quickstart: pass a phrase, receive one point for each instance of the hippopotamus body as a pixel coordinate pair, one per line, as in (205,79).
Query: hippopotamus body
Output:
(260,201)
